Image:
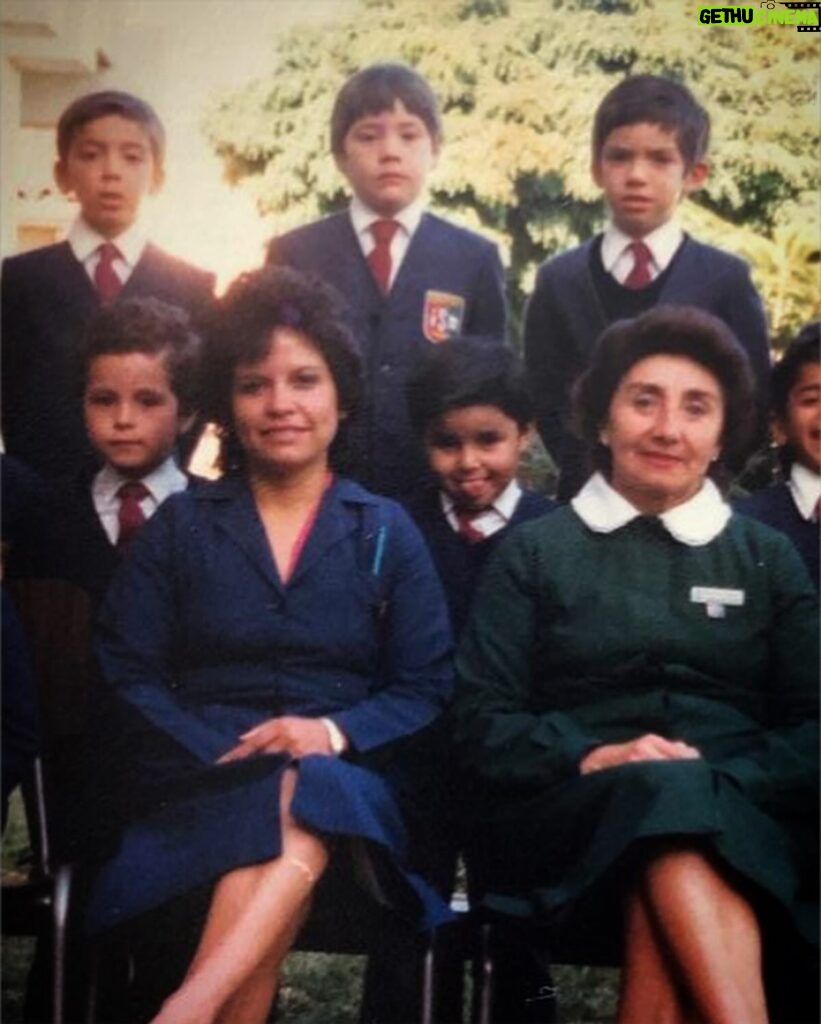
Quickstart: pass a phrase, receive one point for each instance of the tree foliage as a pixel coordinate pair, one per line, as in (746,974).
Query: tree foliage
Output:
(519,81)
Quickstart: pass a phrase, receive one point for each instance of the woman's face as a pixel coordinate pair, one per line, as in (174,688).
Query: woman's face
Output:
(663,431)
(285,406)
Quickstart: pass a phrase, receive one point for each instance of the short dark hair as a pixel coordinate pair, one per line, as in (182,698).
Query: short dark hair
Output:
(654,100)
(95,105)
(802,350)
(676,331)
(377,88)
(153,327)
(468,371)
(239,330)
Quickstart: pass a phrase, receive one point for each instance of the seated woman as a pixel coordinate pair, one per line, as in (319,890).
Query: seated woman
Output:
(271,638)
(637,696)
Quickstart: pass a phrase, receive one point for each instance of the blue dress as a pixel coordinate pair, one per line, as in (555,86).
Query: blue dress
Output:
(200,640)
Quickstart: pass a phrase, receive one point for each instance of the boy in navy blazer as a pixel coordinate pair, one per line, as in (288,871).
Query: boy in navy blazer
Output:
(411,279)
(650,138)
(110,148)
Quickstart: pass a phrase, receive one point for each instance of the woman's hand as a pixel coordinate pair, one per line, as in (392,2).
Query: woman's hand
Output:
(645,748)
(288,735)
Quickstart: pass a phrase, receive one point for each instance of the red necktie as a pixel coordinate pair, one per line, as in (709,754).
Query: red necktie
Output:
(379,258)
(106,282)
(130,516)
(639,276)
(466,527)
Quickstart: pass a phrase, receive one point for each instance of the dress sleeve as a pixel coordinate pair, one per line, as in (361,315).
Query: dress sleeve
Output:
(138,630)
(416,675)
(781,767)
(501,738)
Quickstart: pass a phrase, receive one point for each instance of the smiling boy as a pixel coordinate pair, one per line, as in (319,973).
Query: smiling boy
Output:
(411,279)
(650,140)
(110,158)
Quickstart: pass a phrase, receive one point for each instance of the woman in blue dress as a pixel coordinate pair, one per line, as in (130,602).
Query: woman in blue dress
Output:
(638,697)
(272,642)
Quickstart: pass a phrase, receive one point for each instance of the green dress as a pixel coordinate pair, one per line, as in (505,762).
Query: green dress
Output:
(580,638)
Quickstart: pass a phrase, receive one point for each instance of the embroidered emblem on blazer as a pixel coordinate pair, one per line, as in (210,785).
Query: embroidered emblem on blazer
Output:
(442,316)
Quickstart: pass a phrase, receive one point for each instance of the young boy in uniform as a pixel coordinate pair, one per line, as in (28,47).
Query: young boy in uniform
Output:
(792,506)
(650,140)
(111,148)
(411,279)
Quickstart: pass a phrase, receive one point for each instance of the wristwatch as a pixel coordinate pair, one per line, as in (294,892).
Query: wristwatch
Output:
(339,742)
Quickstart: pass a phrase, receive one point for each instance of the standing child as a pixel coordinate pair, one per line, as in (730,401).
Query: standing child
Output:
(111,147)
(471,407)
(792,506)
(410,278)
(650,140)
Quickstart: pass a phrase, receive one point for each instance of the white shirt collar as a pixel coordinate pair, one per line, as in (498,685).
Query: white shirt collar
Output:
(362,217)
(695,522)
(85,242)
(165,480)
(491,519)
(663,243)
(805,487)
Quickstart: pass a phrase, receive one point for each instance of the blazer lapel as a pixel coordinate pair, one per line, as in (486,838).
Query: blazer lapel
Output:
(236,515)
(587,304)
(686,271)
(333,523)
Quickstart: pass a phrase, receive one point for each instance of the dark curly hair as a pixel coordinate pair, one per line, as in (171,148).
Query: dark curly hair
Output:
(153,327)
(676,331)
(239,331)
(464,371)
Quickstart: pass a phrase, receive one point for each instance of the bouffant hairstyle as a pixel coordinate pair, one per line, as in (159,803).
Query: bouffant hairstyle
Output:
(152,327)
(468,371)
(650,99)
(239,331)
(378,88)
(675,331)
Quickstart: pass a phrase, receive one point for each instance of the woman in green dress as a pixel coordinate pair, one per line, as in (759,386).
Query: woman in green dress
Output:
(637,707)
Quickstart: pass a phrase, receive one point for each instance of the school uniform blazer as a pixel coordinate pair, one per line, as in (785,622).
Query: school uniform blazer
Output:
(776,507)
(47,300)
(565,317)
(450,282)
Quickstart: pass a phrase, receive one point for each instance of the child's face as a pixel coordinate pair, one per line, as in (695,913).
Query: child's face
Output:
(109,168)
(643,176)
(132,415)
(801,428)
(475,452)
(386,158)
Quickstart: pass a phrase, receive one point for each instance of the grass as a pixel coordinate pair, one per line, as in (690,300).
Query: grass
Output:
(318,988)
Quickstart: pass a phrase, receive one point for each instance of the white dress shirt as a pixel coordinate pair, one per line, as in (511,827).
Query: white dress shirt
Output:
(165,480)
(663,243)
(490,520)
(408,220)
(85,243)
(805,487)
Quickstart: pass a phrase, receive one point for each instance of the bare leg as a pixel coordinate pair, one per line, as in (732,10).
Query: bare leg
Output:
(712,936)
(649,993)
(254,918)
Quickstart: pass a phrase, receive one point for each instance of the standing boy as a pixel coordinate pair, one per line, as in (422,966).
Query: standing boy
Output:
(411,278)
(650,139)
(111,147)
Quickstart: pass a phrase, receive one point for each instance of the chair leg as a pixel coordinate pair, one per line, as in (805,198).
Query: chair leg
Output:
(485,979)
(428,986)
(61,901)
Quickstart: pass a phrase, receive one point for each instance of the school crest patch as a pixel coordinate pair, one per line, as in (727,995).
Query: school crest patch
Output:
(442,316)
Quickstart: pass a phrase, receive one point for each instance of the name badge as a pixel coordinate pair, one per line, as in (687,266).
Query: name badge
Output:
(716,600)
(442,316)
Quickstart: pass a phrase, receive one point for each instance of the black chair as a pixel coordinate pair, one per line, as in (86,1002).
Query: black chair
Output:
(39,905)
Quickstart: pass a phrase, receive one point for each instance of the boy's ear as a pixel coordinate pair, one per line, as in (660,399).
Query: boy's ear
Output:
(595,171)
(157,180)
(778,431)
(696,176)
(62,180)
